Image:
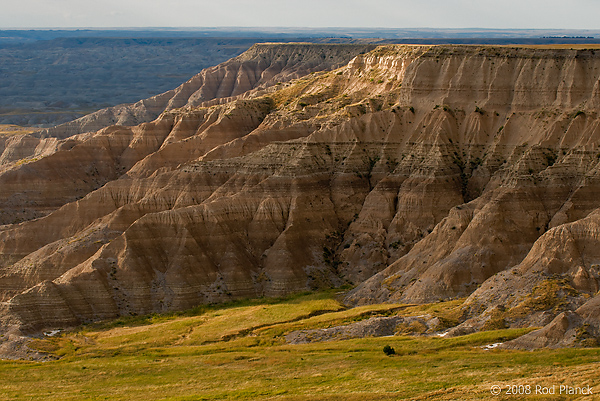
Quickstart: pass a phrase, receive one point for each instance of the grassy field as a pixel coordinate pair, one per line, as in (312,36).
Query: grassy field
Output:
(238,352)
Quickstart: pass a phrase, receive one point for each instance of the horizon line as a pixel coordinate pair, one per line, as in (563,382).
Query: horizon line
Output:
(288,28)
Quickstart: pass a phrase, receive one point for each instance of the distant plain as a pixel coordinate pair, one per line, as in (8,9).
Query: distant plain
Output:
(48,77)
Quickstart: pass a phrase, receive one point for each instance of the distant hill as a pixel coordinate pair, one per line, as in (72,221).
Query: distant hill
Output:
(49,82)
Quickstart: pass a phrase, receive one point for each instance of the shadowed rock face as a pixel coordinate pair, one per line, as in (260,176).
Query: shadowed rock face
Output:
(418,173)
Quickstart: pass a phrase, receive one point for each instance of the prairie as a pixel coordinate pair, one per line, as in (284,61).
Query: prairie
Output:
(238,352)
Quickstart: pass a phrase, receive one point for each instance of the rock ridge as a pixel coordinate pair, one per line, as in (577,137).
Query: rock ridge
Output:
(417,173)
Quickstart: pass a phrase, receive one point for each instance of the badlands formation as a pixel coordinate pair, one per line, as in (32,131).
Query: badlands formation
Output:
(416,173)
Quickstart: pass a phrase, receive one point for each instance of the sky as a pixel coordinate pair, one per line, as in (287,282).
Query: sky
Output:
(506,14)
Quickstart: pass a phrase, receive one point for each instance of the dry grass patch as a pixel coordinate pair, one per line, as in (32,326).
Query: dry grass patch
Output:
(9,129)
(236,352)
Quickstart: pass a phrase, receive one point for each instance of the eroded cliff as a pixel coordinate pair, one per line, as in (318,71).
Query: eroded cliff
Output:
(419,173)
(261,67)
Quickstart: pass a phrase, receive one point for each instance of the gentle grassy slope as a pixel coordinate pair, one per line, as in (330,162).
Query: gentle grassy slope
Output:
(238,352)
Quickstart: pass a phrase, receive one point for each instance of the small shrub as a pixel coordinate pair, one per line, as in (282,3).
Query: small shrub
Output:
(495,323)
(550,158)
(585,337)
(389,350)
(396,244)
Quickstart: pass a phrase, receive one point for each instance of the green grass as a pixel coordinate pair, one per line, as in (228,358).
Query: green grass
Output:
(238,351)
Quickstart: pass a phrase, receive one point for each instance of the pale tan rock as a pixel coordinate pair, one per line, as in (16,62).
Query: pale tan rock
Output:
(419,173)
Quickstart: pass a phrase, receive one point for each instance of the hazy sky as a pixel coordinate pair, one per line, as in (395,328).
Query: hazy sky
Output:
(560,14)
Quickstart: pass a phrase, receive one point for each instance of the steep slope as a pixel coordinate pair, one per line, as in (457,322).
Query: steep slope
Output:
(262,66)
(420,173)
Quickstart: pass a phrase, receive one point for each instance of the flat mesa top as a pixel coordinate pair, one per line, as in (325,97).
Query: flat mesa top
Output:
(557,46)
(578,46)
(10,129)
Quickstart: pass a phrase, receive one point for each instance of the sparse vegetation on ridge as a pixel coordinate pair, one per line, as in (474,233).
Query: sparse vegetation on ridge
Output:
(10,129)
